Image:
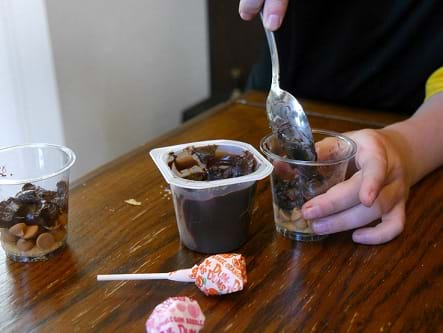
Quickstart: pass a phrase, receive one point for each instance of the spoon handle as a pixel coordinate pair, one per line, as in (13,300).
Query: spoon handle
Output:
(274,54)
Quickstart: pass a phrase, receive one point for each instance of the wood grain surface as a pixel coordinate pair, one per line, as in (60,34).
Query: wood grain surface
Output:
(329,286)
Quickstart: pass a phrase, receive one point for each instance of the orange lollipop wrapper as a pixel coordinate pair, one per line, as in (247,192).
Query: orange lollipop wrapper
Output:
(220,274)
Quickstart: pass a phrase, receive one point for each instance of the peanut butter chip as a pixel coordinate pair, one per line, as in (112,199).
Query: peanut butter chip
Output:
(8,237)
(18,229)
(59,234)
(63,219)
(25,245)
(300,224)
(184,160)
(296,214)
(45,240)
(31,231)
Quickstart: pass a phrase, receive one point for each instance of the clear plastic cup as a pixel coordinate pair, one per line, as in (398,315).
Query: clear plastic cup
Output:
(294,182)
(213,216)
(34,192)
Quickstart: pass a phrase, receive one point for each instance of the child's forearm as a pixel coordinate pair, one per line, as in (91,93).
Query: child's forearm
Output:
(421,138)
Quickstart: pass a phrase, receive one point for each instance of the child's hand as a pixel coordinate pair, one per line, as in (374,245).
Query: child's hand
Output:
(379,189)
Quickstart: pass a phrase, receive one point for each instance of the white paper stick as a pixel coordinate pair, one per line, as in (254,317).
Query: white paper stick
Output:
(182,275)
(149,276)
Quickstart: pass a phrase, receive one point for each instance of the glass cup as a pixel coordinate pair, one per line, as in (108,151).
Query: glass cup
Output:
(213,216)
(34,192)
(294,182)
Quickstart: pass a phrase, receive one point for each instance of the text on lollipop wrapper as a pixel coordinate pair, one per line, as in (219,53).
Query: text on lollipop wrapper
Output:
(176,314)
(220,274)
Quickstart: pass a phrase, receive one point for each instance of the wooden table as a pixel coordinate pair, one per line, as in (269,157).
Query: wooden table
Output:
(332,285)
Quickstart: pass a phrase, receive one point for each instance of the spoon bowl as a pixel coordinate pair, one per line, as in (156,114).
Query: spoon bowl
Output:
(286,117)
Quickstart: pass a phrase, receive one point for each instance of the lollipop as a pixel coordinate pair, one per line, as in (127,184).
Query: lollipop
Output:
(176,314)
(217,275)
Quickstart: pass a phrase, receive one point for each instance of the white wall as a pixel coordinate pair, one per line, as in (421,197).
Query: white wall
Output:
(125,71)
(29,110)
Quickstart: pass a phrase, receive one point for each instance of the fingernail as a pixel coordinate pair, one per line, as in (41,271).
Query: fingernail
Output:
(310,212)
(359,236)
(319,227)
(245,16)
(273,22)
(371,195)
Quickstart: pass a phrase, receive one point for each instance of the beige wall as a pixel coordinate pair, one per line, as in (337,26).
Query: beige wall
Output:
(125,70)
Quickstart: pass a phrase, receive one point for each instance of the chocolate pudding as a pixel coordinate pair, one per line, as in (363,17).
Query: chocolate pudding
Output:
(216,224)
(216,219)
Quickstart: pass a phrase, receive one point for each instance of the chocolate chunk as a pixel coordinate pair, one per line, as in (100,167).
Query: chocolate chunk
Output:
(29,187)
(28,197)
(297,145)
(28,212)
(212,164)
(204,154)
(61,200)
(48,195)
(230,166)
(62,188)
(194,173)
(8,209)
(288,194)
(314,187)
(49,214)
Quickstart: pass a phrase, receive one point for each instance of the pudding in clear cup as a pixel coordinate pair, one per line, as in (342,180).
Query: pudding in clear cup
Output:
(294,182)
(34,195)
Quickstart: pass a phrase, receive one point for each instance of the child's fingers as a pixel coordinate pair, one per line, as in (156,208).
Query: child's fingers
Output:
(373,165)
(351,218)
(273,13)
(359,215)
(249,8)
(391,226)
(339,197)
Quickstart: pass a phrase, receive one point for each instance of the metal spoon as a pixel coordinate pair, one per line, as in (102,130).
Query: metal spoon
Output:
(285,114)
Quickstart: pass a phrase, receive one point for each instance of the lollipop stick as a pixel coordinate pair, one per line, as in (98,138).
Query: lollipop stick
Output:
(149,276)
(182,275)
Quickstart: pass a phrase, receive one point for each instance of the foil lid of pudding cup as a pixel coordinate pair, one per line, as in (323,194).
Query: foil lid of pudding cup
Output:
(161,157)
(176,314)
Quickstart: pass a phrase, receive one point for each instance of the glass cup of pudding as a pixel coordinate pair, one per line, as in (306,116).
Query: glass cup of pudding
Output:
(293,182)
(34,193)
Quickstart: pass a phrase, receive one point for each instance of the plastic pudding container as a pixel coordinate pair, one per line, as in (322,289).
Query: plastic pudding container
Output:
(34,192)
(213,216)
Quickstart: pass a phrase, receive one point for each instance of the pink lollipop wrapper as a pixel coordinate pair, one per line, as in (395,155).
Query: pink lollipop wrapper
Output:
(176,314)
(220,274)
